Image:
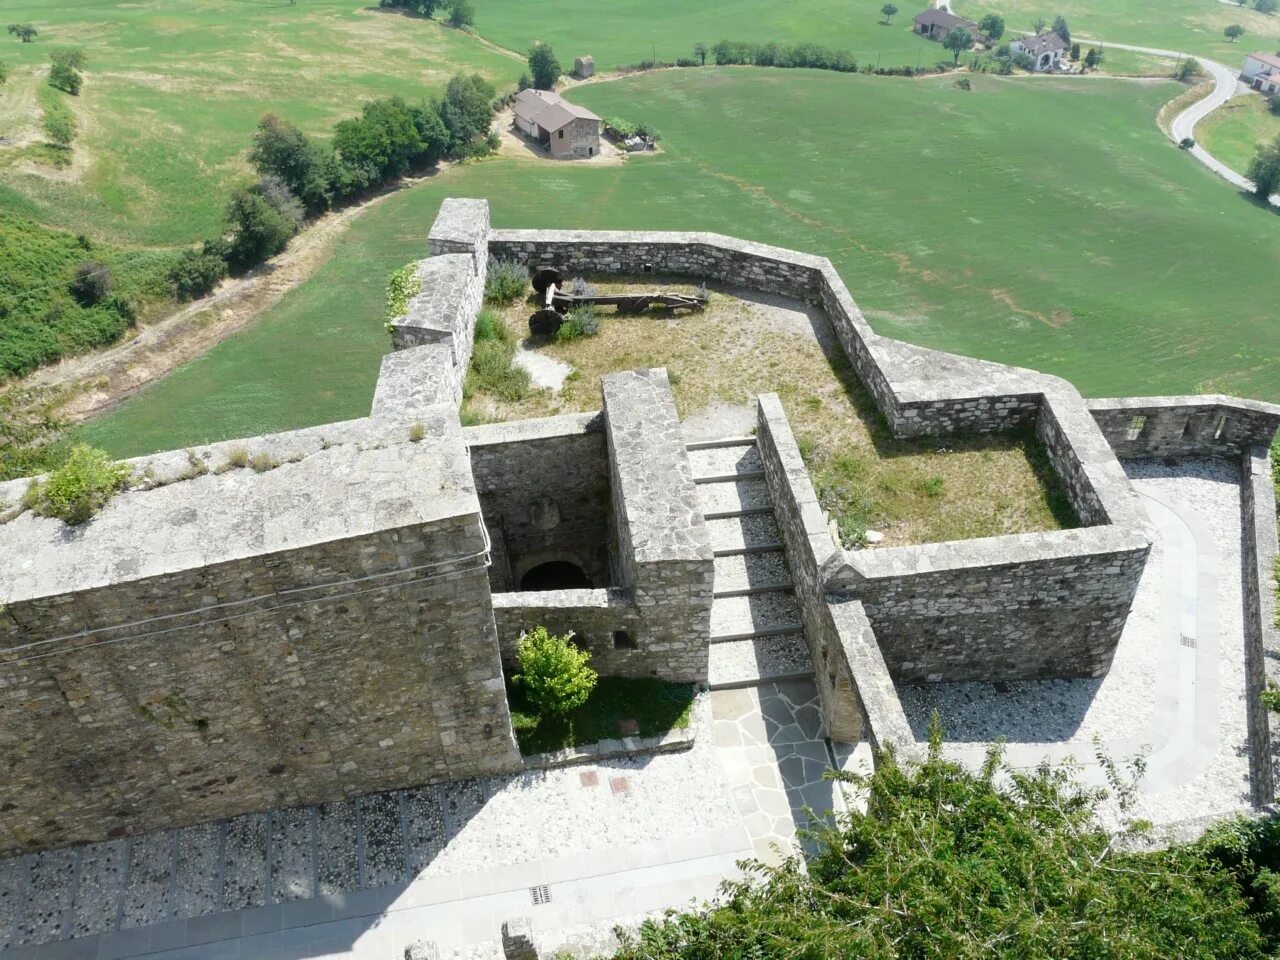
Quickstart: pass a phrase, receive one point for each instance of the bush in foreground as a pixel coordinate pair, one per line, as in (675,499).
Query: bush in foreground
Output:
(79,488)
(1005,863)
(505,282)
(554,675)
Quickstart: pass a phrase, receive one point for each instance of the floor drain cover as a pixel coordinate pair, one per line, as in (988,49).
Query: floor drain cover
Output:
(1188,641)
(541,894)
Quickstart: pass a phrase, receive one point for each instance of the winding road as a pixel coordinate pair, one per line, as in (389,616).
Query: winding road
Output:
(1226,84)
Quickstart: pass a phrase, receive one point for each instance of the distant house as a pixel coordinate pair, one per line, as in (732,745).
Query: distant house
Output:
(1262,72)
(1045,50)
(570,132)
(937,23)
(584,67)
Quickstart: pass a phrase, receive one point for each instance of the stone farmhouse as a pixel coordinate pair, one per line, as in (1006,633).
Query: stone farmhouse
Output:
(568,131)
(1045,50)
(936,22)
(218,642)
(1261,71)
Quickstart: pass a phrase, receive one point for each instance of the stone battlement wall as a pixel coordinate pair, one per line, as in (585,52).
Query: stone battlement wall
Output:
(1050,604)
(1196,426)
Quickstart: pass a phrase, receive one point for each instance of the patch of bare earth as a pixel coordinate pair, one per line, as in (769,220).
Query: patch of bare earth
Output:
(746,344)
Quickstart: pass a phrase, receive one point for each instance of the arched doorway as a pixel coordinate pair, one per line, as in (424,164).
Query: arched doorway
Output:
(555,575)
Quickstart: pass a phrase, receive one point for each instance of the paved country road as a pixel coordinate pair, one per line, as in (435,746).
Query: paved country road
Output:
(1225,86)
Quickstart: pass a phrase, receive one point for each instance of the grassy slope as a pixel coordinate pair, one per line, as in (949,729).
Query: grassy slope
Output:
(626,31)
(174,89)
(1045,223)
(1233,132)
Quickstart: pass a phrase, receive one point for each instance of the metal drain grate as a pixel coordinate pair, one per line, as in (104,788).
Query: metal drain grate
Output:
(1188,641)
(541,894)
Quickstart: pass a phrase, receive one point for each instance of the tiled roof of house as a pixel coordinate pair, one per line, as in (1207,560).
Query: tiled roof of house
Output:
(945,19)
(1044,43)
(549,110)
(1270,59)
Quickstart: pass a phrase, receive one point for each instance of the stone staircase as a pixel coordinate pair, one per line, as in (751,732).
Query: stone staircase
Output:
(756,631)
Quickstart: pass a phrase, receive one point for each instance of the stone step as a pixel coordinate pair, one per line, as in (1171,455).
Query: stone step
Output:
(757,615)
(726,463)
(750,533)
(748,663)
(741,574)
(734,498)
(720,442)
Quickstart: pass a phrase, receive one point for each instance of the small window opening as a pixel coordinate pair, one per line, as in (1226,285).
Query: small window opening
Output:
(1186,429)
(622,640)
(1222,422)
(560,134)
(1136,425)
(555,575)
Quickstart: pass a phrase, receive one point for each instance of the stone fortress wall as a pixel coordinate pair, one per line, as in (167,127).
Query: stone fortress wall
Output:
(338,624)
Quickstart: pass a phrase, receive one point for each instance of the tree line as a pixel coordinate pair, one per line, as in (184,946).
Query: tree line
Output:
(301,177)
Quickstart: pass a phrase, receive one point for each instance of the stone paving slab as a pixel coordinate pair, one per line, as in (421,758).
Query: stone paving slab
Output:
(100,886)
(197,888)
(746,572)
(755,615)
(338,862)
(292,876)
(737,534)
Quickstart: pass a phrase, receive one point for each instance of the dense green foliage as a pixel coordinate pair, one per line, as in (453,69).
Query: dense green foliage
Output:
(23,31)
(957,40)
(493,368)
(734,52)
(656,706)
(1264,170)
(196,273)
(79,488)
(992,26)
(554,676)
(64,70)
(1004,863)
(544,68)
(41,318)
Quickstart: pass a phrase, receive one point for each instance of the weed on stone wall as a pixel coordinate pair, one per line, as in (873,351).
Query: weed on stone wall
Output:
(79,488)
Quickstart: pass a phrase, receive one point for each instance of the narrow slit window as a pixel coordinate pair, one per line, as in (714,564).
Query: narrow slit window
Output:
(1222,422)
(1136,426)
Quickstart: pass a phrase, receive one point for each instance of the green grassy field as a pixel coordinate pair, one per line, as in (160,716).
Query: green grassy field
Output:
(627,31)
(1233,132)
(174,89)
(1045,223)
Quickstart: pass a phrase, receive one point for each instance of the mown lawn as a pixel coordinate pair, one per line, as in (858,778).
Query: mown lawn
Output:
(174,89)
(1234,131)
(1046,223)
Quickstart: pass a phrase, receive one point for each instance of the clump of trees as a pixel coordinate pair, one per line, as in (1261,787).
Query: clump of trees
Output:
(59,127)
(992,26)
(23,31)
(1000,863)
(461,13)
(65,64)
(4,73)
(301,177)
(728,52)
(1264,170)
(544,68)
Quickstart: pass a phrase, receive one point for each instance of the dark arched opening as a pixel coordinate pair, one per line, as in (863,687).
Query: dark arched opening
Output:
(555,575)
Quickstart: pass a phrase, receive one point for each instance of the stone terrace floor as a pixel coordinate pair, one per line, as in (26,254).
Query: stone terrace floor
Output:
(363,879)
(1176,689)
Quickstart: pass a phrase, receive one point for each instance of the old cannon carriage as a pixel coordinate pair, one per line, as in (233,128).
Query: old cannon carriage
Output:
(557,301)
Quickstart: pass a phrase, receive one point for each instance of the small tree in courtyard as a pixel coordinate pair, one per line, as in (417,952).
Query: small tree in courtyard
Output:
(1093,58)
(958,40)
(1233,32)
(992,26)
(888,10)
(1075,52)
(543,66)
(553,672)
(1061,29)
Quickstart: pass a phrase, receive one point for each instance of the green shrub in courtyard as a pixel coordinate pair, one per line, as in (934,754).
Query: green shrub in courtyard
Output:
(580,322)
(80,487)
(553,672)
(505,282)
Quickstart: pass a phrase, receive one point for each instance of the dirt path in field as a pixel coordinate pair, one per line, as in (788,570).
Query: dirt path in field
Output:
(96,382)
